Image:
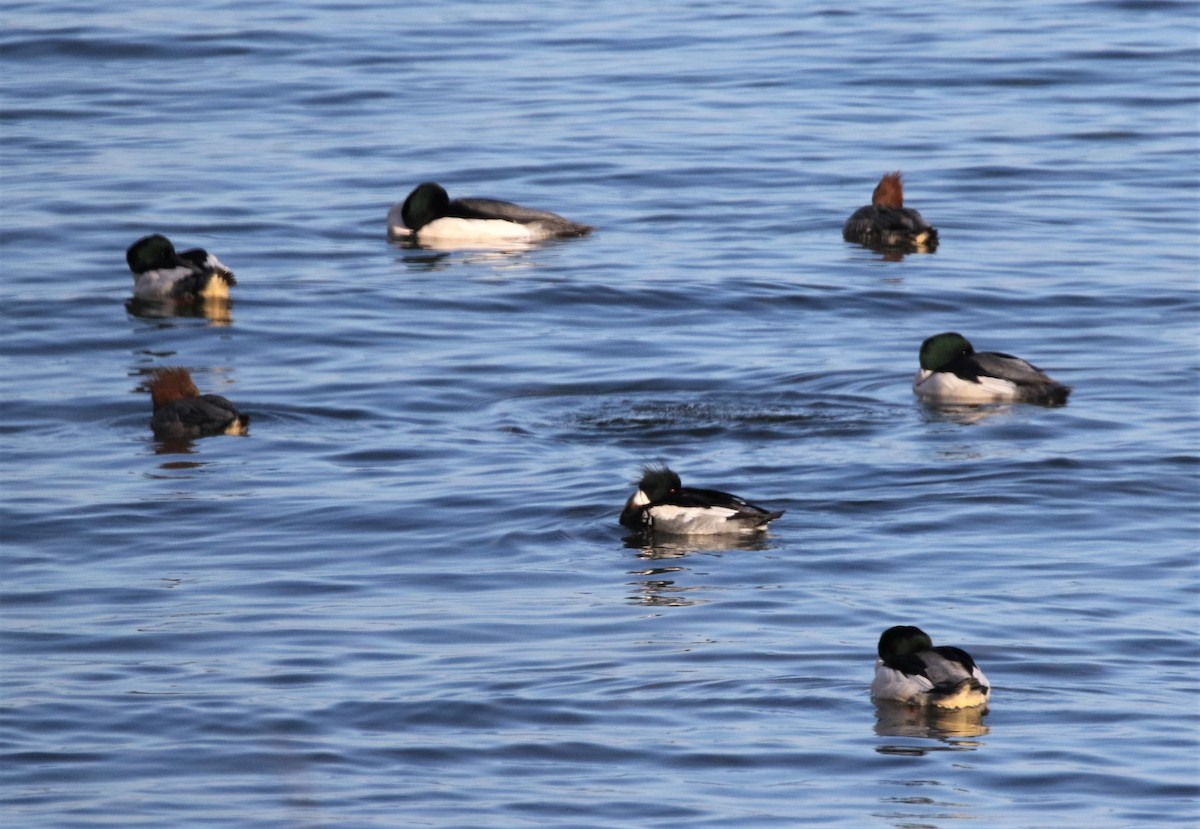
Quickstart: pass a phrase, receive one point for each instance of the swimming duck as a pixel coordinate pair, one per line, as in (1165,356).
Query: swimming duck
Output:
(180,411)
(161,274)
(430,214)
(663,505)
(952,370)
(886,222)
(910,669)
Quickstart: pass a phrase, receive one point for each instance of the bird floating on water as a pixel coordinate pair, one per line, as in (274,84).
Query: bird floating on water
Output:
(662,504)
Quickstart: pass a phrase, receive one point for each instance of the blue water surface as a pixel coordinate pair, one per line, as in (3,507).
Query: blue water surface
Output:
(404,599)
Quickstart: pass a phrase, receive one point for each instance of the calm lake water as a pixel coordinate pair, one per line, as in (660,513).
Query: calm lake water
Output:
(404,599)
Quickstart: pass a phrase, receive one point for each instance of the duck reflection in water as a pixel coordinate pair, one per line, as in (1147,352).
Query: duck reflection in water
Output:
(954,728)
(216,311)
(167,283)
(657,580)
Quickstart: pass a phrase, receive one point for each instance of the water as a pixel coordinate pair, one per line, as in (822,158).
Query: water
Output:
(404,599)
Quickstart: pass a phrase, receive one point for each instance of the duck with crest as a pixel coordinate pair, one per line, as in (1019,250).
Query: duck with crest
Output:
(430,215)
(887,223)
(662,504)
(181,411)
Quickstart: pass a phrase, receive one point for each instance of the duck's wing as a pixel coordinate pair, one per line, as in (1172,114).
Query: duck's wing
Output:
(711,498)
(204,263)
(210,414)
(949,669)
(474,208)
(873,219)
(1032,383)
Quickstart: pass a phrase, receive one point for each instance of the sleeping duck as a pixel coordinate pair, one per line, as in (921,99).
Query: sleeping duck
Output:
(663,505)
(951,370)
(887,223)
(161,275)
(430,215)
(180,411)
(910,669)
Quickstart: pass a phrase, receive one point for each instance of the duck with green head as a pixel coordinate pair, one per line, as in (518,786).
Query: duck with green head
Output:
(160,274)
(662,504)
(910,669)
(429,215)
(953,371)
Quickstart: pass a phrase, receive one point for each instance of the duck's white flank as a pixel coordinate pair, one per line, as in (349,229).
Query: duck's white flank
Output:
(477,230)
(945,385)
(698,520)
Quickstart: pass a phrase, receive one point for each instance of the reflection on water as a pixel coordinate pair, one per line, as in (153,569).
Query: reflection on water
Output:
(911,811)
(954,729)
(218,312)
(652,547)
(426,259)
(967,414)
(896,253)
(964,414)
(655,590)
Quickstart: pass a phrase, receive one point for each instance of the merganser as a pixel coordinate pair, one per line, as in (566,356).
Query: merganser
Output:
(887,223)
(663,505)
(180,411)
(160,274)
(429,214)
(910,669)
(952,370)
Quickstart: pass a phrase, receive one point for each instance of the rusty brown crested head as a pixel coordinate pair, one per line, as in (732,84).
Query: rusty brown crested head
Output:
(889,192)
(171,384)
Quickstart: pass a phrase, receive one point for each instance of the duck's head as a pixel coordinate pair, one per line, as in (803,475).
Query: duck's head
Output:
(889,192)
(151,253)
(171,384)
(658,482)
(941,350)
(427,202)
(902,640)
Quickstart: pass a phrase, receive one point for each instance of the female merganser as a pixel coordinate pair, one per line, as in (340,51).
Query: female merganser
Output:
(430,214)
(663,505)
(910,669)
(887,223)
(180,411)
(952,370)
(161,274)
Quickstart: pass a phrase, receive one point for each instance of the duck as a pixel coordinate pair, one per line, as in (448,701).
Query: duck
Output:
(952,370)
(181,411)
(429,214)
(887,223)
(160,274)
(662,504)
(910,669)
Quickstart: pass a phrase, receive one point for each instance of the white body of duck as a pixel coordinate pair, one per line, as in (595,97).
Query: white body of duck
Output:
(951,370)
(887,223)
(430,215)
(180,411)
(663,505)
(161,275)
(910,669)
